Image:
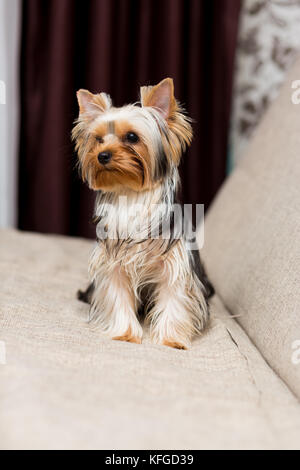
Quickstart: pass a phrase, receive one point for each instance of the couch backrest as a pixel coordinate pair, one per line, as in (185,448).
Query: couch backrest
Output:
(252,237)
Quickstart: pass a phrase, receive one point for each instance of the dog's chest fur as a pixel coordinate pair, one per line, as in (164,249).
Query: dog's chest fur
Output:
(130,238)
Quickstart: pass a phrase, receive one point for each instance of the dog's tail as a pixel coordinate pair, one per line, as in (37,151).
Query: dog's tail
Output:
(199,270)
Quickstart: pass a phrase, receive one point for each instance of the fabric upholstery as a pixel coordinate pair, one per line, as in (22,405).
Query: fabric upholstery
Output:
(65,385)
(252,237)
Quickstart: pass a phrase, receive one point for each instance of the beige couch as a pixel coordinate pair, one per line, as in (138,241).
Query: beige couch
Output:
(65,385)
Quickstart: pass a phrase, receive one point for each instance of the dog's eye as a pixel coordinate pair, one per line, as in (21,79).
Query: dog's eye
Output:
(132,137)
(99,140)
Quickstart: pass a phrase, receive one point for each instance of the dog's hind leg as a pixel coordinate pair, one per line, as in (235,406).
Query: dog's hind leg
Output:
(86,296)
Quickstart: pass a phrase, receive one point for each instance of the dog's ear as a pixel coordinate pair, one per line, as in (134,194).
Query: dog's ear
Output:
(90,104)
(161,97)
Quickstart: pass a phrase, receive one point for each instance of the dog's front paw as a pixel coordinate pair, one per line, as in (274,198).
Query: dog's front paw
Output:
(129,337)
(167,332)
(174,344)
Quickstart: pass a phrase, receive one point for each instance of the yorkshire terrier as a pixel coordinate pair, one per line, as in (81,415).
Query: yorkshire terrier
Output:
(130,156)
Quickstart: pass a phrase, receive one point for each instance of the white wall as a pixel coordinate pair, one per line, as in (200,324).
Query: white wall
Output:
(10,12)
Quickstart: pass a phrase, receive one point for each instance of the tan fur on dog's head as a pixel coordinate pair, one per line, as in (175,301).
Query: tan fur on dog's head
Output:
(142,144)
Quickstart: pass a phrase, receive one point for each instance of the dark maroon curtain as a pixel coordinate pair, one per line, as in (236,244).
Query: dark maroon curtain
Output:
(115,46)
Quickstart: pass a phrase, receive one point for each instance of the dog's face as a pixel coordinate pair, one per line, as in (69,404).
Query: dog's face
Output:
(132,147)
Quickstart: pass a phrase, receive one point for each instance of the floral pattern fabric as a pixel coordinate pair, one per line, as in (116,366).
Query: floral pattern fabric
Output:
(269,40)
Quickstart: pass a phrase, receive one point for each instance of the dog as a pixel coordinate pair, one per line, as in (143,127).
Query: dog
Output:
(130,157)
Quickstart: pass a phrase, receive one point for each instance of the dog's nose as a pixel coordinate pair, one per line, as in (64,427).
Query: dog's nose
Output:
(104,157)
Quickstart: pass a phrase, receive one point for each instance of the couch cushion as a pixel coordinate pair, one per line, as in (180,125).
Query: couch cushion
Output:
(252,238)
(66,385)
